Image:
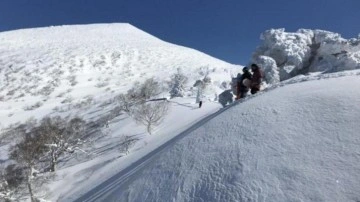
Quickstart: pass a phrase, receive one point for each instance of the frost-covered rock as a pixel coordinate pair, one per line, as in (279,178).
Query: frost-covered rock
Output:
(305,51)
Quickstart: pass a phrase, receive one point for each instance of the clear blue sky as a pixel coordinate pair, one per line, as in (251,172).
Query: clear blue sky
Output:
(226,29)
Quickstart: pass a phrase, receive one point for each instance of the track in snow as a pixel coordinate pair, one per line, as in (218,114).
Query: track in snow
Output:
(124,176)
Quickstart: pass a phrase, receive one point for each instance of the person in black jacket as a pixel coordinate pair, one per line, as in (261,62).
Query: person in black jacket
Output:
(242,88)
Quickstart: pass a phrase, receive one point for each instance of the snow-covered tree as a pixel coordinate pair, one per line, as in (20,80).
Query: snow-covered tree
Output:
(177,84)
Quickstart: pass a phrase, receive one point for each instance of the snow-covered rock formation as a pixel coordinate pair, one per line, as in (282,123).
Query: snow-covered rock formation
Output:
(283,55)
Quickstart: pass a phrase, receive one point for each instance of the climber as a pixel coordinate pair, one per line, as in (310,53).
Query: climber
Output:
(243,83)
(256,79)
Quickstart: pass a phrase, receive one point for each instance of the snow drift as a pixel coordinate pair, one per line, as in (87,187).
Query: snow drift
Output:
(299,142)
(284,54)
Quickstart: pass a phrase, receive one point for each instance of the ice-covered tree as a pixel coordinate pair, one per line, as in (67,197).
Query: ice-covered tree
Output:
(177,84)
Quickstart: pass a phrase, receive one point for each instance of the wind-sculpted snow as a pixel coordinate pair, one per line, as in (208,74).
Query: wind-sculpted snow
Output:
(305,51)
(299,142)
(53,69)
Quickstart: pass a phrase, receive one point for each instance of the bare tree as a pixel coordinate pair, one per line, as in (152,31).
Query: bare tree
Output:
(143,91)
(60,136)
(138,94)
(150,114)
(149,88)
(5,191)
(11,180)
(126,102)
(127,142)
(27,154)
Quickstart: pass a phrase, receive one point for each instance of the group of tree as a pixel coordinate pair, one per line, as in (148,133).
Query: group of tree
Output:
(38,151)
(44,142)
(137,103)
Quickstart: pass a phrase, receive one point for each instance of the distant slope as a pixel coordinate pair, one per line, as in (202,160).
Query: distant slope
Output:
(299,142)
(51,69)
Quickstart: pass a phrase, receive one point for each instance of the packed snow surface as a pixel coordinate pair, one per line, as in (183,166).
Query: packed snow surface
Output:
(299,142)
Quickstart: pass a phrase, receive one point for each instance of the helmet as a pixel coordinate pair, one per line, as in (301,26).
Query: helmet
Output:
(254,67)
(245,69)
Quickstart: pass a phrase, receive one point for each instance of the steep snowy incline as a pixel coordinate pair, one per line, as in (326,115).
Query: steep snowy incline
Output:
(299,142)
(52,69)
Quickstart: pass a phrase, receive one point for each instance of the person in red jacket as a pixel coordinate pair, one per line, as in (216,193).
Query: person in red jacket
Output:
(256,79)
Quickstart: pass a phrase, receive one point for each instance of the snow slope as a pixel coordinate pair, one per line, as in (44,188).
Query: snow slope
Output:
(79,70)
(75,178)
(64,68)
(298,142)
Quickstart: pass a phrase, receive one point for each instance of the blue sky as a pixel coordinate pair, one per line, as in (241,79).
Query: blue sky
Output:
(226,29)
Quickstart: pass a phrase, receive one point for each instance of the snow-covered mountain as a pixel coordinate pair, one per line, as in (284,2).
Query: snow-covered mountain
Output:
(284,54)
(53,69)
(297,140)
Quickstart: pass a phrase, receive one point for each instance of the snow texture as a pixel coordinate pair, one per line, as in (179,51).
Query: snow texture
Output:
(298,141)
(283,55)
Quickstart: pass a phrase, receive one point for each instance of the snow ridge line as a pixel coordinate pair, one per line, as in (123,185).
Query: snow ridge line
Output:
(123,176)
